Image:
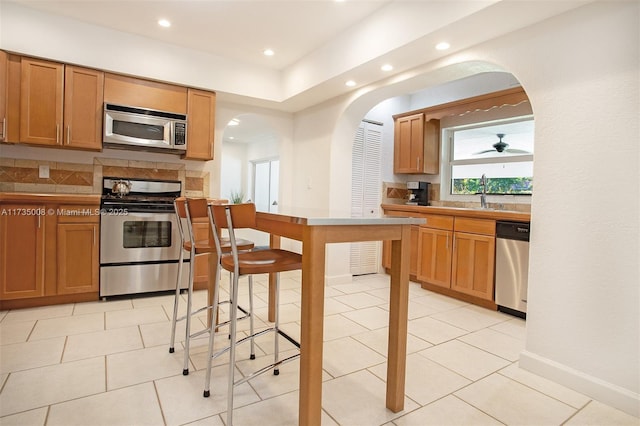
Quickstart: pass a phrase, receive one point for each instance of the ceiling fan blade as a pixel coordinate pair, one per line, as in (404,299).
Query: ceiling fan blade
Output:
(517,151)
(484,152)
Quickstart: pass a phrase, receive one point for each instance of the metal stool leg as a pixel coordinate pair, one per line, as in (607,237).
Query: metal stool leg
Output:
(212,330)
(251,332)
(187,340)
(276,346)
(232,348)
(174,320)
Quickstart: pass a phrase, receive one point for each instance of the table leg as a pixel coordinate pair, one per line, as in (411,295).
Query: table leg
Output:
(274,242)
(312,324)
(398,317)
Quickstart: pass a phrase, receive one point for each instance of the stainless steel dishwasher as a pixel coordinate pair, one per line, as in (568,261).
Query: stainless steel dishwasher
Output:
(512,267)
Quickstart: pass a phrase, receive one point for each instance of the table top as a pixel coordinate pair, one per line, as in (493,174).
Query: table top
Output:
(314,217)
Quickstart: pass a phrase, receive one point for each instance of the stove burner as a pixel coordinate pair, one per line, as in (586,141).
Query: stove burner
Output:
(144,195)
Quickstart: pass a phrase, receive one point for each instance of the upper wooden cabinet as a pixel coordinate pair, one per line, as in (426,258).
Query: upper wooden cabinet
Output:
(83,100)
(41,102)
(60,105)
(201,124)
(416,145)
(141,93)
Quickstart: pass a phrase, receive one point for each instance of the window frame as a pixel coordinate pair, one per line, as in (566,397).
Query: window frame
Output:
(447,163)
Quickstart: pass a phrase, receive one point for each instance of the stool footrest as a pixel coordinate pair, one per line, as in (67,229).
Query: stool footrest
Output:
(265,369)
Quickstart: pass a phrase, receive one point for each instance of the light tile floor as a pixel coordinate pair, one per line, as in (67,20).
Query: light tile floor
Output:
(107,363)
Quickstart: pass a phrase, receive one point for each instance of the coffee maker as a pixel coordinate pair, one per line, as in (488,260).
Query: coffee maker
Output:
(418,193)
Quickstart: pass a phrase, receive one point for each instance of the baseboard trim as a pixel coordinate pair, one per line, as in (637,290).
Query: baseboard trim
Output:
(602,391)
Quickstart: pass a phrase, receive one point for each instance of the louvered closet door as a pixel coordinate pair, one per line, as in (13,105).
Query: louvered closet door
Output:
(366,188)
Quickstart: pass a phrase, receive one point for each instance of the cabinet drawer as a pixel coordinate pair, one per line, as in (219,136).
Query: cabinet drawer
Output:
(77,214)
(475,226)
(437,221)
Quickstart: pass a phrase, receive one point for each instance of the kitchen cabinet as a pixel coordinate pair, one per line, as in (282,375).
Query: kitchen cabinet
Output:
(83,100)
(416,144)
(49,249)
(434,252)
(60,105)
(78,238)
(201,123)
(453,254)
(413,258)
(10,72)
(41,101)
(142,93)
(22,238)
(473,263)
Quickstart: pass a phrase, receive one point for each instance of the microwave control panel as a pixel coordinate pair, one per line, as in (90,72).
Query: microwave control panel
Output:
(180,133)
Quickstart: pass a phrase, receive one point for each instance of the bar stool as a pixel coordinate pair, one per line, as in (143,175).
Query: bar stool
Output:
(196,248)
(232,217)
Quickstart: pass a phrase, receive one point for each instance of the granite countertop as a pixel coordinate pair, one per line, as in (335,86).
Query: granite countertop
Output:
(23,197)
(460,211)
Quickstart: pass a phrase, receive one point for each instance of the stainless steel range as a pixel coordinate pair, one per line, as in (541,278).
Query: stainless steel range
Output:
(139,237)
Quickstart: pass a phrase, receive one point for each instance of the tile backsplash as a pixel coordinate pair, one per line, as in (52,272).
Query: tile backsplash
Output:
(19,175)
(396,193)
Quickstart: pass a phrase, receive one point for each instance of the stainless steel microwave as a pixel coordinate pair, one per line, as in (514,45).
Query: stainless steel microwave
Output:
(128,127)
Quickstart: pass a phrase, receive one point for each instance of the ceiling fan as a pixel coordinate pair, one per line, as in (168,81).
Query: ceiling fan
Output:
(501,146)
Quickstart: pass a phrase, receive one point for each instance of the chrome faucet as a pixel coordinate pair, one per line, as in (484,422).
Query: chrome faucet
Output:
(483,194)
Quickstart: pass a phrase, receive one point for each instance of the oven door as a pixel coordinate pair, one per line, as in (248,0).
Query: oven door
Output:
(135,237)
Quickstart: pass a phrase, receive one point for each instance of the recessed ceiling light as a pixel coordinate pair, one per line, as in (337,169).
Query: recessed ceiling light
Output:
(443,45)
(164,23)
(386,67)
(350,83)
(233,122)
(268,52)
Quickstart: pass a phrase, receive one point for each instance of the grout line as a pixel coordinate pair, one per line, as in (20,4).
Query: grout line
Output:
(155,388)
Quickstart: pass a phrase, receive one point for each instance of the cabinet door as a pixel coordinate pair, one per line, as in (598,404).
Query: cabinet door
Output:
(10,71)
(22,251)
(83,99)
(41,98)
(434,252)
(201,124)
(408,144)
(77,255)
(4,82)
(474,264)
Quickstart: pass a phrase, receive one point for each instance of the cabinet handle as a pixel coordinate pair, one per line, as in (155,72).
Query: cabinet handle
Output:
(93,237)
(38,221)
(4,129)
(418,161)
(57,134)
(68,135)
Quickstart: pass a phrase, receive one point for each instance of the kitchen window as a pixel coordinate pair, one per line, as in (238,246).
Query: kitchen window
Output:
(501,150)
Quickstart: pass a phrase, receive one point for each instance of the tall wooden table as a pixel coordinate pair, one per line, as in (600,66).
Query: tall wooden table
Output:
(315,234)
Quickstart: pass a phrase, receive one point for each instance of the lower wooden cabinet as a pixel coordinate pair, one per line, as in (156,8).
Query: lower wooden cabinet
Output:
(49,251)
(77,255)
(22,239)
(455,254)
(473,265)
(434,252)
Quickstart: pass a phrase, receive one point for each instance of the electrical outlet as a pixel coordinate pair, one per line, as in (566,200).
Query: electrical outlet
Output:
(43,171)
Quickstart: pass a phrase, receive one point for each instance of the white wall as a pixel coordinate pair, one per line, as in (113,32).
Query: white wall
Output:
(583,324)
